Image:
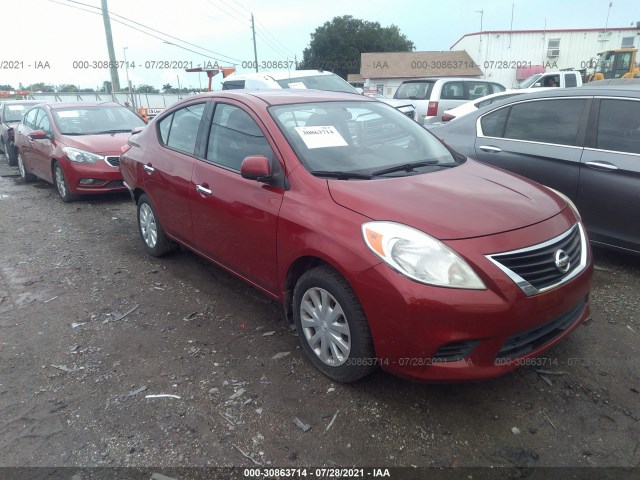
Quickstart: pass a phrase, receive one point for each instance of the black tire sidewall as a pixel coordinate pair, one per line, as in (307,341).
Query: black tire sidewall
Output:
(361,344)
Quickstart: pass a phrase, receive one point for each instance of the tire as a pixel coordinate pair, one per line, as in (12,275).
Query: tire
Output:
(61,184)
(11,152)
(26,176)
(342,349)
(155,241)
(3,148)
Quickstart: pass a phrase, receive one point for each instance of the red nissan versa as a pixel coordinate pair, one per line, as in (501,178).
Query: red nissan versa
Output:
(75,146)
(385,247)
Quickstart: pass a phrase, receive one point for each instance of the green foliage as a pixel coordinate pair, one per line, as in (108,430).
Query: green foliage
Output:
(144,88)
(337,45)
(67,88)
(6,88)
(41,87)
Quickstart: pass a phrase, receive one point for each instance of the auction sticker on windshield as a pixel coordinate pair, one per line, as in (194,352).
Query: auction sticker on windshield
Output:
(321,137)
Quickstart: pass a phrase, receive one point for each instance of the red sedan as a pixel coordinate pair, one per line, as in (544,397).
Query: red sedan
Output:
(75,146)
(385,247)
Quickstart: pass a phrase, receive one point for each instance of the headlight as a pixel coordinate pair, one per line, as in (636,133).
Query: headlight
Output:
(568,200)
(80,156)
(419,256)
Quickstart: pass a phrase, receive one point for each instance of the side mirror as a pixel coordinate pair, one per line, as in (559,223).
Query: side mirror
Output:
(256,167)
(537,84)
(38,135)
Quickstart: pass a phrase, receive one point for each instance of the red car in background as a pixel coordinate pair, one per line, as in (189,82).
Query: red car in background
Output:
(75,146)
(385,247)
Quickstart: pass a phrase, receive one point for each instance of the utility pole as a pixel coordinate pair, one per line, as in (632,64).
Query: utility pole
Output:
(115,81)
(255,50)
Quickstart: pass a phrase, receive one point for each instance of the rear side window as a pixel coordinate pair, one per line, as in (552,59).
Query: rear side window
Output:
(493,124)
(179,130)
(233,85)
(570,81)
(453,91)
(477,90)
(619,126)
(414,91)
(496,87)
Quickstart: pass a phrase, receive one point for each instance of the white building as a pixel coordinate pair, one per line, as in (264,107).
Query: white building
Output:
(510,56)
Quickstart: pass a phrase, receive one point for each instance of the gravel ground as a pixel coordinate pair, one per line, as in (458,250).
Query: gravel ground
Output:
(90,327)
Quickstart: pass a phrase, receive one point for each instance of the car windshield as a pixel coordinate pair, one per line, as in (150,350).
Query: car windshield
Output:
(414,91)
(331,83)
(526,83)
(89,120)
(359,140)
(14,112)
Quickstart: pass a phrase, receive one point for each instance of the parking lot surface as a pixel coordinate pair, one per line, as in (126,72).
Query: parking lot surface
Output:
(109,357)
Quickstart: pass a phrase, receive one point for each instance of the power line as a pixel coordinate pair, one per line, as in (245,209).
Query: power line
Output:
(112,14)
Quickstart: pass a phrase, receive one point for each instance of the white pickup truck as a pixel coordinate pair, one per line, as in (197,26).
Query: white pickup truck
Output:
(562,79)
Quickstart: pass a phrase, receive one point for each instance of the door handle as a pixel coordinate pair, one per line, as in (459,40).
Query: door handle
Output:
(203,190)
(149,169)
(605,165)
(490,149)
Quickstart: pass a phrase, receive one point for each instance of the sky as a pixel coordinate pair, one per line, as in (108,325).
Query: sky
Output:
(54,41)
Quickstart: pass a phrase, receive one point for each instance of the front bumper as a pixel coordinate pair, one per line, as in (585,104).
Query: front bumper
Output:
(443,334)
(107,178)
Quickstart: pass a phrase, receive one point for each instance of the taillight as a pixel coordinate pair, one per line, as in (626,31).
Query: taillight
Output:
(432,109)
(124,149)
(447,116)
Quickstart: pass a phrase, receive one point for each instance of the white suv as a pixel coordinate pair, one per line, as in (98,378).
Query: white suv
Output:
(302,79)
(432,96)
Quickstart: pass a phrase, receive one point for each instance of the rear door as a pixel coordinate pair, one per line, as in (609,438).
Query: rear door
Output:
(168,167)
(609,193)
(235,220)
(540,139)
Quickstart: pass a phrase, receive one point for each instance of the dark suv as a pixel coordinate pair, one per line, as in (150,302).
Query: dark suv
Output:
(11,112)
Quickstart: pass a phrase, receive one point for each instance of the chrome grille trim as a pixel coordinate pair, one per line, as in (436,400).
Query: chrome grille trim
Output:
(527,287)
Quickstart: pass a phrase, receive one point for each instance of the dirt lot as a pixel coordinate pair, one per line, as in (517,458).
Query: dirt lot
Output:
(90,325)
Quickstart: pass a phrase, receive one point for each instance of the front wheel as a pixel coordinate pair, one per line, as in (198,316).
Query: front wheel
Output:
(62,185)
(156,242)
(26,176)
(332,327)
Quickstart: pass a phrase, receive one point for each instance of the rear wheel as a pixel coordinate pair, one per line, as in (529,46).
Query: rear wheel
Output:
(26,176)
(156,242)
(11,152)
(332,327)
(62,185)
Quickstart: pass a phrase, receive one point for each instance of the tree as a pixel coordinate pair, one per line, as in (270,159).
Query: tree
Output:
(144,88)
(167,88)
(337,44)
(106,86)
(6,87)
(67,88)
(41,87)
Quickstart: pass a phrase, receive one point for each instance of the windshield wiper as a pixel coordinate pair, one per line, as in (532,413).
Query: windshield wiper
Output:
(340,175)
(115,130)
(405,167)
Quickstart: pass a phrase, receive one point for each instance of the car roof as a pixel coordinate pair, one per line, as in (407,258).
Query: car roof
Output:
(23,102)
(281,96)
(277,75)
(59,105)
(430,79)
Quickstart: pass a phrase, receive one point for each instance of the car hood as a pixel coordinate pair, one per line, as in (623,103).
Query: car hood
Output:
(104,144)
(467,201)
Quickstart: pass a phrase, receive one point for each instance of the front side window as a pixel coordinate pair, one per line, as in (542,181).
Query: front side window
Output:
(180,129)
(234,136)
(619,126)
(546,121)
(44,123)
(359,140)
(30,118)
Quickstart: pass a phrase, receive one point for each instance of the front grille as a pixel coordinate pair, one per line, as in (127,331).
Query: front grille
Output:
(455,351)
(539,268)
(113,161)
(525,342)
